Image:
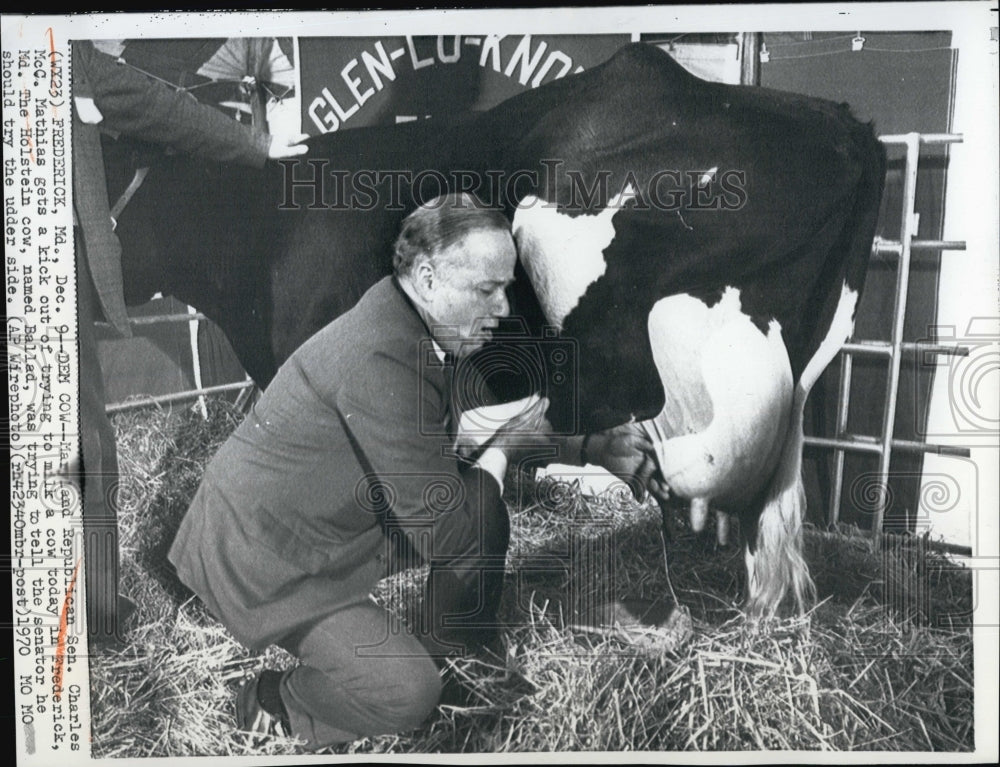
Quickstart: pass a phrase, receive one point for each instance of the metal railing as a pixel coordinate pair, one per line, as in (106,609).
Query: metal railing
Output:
(193,318)
(892,350)
(169,399)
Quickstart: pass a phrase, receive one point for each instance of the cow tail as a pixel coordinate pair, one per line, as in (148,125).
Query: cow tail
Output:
(775,560)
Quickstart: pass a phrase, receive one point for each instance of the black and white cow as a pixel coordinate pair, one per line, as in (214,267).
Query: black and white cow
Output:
(702,245)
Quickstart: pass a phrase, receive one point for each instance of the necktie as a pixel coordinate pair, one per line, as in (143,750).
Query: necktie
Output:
(450,414)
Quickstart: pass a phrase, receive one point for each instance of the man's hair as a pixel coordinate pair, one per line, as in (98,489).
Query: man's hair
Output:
(440,223)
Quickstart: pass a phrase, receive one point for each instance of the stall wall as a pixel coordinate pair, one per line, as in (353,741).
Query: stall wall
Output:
(900,82)
(959,497)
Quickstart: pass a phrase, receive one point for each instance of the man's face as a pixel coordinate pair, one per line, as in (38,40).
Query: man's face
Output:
(468,295)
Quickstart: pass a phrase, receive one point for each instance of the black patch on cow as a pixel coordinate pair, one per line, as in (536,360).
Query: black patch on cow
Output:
(708,296)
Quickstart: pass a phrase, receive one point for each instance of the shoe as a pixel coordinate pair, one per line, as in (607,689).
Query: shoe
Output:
(251,714)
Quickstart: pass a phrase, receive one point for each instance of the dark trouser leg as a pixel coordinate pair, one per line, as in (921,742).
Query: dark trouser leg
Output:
(466,579)
(362,674)
(99,475)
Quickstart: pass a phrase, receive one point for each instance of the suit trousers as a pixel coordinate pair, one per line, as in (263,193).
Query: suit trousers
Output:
(365,672)
(362,673)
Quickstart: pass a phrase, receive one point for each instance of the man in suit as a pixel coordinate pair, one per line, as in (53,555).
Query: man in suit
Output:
(346,459)
(111,99)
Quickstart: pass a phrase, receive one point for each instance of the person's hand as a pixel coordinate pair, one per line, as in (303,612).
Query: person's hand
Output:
(627,452)
(287,145)
(528,429)
(520,437)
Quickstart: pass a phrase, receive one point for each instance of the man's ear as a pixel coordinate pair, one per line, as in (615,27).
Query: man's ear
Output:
(424,278)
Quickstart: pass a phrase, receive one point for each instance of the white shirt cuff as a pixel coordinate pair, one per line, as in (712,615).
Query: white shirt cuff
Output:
(493,461)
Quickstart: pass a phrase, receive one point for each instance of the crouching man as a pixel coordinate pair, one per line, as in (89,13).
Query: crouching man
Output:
(345,458)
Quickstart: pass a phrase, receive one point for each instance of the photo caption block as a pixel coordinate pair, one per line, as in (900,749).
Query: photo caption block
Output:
(46,565)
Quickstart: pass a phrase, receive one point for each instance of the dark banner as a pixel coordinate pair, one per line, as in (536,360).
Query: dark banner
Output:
(350,82)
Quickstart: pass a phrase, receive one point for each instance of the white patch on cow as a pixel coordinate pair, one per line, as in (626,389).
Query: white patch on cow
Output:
(728,396)
(706,178)
(563,255)
(841,328)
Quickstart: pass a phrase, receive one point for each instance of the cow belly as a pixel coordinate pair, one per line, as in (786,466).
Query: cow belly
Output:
(728,392)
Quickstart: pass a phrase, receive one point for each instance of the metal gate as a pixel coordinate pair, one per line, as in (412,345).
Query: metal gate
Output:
(193,318)
(892,350)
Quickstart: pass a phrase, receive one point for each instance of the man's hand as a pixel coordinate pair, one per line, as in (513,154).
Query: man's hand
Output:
(287,145)
(521,436)
(529,428)
(627,452)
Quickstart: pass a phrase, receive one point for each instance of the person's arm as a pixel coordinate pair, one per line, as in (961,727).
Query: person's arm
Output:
(129,102)
(453,518)
(625,451)
(394,417)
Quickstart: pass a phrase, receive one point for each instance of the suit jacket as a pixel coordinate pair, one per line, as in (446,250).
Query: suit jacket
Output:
(351,439)
(133,104)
